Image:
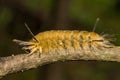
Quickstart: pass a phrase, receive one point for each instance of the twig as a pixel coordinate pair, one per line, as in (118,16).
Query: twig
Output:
(21,62)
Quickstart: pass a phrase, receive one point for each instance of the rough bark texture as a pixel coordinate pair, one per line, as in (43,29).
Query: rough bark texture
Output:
(23,62)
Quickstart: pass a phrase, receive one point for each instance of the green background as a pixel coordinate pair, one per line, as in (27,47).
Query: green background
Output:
(43,15)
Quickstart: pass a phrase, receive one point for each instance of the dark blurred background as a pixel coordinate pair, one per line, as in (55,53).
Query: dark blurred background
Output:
(42,15)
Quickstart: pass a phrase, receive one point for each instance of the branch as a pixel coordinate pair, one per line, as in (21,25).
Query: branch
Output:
(21,62)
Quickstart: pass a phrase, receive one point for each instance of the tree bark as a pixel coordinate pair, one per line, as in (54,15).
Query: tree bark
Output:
(22,62)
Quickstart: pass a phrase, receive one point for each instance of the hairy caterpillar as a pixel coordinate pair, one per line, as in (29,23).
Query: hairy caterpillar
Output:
(55,40)
(64,39)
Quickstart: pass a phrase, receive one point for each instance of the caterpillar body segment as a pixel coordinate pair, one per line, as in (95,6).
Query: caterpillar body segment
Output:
(55,40)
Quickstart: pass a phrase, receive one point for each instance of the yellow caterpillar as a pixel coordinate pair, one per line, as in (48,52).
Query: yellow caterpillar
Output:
(55,40)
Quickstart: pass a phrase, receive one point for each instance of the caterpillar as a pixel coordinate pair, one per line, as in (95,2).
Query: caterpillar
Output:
(55,40)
